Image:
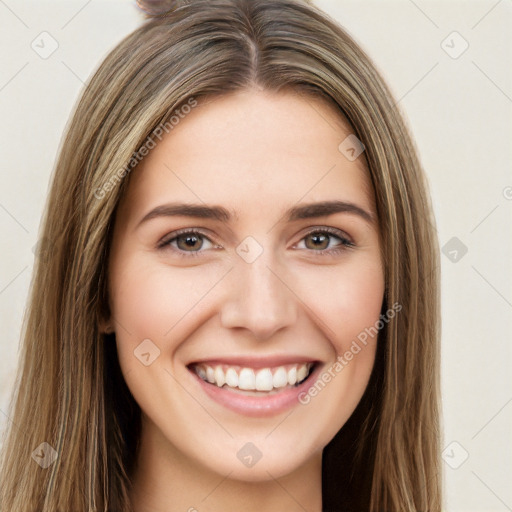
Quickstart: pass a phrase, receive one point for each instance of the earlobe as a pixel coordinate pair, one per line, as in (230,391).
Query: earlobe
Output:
(104,317)
(106,327)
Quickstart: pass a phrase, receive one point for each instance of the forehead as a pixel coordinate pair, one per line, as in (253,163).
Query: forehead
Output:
(252,146)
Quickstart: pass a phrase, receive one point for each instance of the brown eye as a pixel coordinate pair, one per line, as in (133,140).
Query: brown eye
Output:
(186,243)
(319,240)
(189,241)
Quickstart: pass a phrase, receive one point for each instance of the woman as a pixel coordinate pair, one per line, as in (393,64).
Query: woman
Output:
(190,343)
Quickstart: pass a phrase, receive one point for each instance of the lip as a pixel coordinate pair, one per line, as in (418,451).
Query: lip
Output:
(256,406)
(256,362)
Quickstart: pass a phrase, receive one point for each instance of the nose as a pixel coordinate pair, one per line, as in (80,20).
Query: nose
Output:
(260,299)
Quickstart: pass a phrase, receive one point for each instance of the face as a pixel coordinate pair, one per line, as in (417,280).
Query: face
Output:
(235,300)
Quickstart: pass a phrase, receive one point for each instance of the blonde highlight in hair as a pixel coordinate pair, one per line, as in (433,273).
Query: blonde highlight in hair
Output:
(70,391)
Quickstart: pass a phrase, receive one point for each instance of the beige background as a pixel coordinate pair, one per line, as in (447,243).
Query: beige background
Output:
(459,108)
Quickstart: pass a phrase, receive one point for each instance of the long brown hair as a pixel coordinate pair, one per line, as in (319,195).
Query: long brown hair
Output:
(70,392)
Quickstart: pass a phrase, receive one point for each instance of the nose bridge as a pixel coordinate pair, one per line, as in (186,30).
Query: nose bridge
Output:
(258,297)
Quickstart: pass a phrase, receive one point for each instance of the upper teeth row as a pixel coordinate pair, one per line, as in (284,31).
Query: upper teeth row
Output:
(264,379)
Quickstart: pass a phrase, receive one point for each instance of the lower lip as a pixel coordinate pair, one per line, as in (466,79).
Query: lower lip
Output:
(259,406)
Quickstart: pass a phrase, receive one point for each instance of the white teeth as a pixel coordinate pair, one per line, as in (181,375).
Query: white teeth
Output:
(247,380)
(280,378)
(264,379)
(210,375)
(232,378)
(301,373)
(220,379)
(292,376)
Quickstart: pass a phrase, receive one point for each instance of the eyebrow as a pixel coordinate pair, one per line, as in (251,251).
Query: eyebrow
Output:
(306,211)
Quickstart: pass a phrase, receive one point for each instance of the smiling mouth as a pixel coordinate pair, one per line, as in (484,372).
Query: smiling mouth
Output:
(251,381)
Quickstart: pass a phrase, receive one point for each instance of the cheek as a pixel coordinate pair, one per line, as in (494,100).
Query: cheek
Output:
(349,303)
(141,301)
(150,300)
(348,307)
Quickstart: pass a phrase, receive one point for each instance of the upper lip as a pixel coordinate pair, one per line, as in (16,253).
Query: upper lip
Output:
(254,361)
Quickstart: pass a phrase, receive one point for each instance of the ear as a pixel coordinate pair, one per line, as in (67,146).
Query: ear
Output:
(104,316)
(105,326)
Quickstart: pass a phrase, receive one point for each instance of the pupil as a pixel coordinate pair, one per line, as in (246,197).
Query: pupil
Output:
(190,241)
(318,238)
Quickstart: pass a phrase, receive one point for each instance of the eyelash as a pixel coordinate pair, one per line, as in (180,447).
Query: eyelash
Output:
(345,243)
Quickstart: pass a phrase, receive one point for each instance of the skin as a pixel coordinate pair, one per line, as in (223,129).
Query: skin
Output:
(256,153)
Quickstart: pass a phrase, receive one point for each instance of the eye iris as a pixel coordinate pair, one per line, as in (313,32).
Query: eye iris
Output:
(190,241)
(318,237)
